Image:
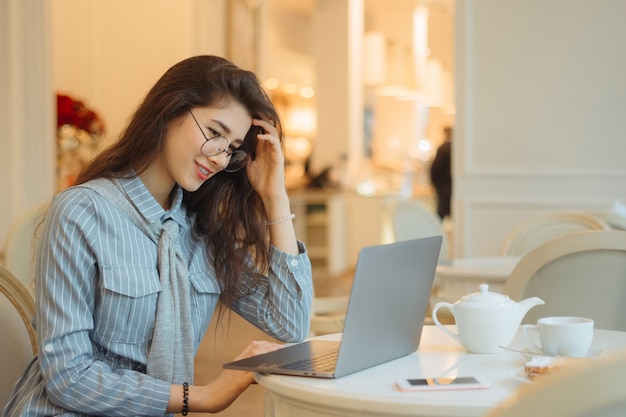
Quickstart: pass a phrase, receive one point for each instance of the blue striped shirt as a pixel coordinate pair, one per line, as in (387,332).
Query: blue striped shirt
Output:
(97,286)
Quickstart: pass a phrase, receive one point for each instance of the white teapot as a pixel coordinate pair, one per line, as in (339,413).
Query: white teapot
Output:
(485,320)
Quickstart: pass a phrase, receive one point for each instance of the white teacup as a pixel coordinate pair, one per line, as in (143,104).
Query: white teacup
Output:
(561,336)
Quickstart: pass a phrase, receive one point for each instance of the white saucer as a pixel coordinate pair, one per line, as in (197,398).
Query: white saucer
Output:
(521,375)
(594,352)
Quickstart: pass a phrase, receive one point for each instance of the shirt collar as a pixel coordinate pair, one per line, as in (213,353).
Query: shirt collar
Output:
(147,205)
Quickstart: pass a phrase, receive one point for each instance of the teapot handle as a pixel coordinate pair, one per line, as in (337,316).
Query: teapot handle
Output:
(438,324)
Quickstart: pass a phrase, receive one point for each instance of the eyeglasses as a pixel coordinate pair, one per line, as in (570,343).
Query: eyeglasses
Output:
(217,144)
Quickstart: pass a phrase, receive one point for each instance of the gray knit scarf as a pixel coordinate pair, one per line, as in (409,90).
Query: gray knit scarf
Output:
(171,352)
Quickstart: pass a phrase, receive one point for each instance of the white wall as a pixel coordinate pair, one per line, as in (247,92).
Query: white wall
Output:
(541,105)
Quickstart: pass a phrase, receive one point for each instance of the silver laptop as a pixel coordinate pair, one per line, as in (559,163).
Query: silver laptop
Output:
(384,320)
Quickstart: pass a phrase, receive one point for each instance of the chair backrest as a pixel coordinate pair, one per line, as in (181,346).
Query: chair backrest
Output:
(587,390)
(581,274)
(328,314)
(17,336)
(412,220)
(21,243)
(544,227)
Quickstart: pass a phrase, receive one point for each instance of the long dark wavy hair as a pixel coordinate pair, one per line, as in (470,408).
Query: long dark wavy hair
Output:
(230,216)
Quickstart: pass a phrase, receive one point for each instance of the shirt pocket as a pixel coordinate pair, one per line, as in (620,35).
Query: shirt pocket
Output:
(204,295)
(127,309)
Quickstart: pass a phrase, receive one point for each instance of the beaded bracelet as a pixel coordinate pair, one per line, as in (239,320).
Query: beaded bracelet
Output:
(281,219)
(185,399)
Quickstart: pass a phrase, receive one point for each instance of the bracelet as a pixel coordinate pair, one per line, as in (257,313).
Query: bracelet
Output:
(281,219)
(185,399)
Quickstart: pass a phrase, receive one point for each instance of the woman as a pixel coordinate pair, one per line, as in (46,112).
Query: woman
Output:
(441,175)
(189,207)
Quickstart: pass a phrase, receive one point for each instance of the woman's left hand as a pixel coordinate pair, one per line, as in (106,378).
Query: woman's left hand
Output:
(267,172)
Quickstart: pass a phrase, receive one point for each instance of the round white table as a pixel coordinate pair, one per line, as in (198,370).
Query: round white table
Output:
(372,392)
(462,276)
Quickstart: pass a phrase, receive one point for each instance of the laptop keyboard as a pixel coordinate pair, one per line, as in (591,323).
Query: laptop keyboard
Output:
(322,363)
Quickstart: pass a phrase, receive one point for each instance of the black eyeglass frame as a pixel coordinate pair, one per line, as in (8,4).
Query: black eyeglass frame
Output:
(241,156)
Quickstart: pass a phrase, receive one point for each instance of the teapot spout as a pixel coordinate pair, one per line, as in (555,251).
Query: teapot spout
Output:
(527,304)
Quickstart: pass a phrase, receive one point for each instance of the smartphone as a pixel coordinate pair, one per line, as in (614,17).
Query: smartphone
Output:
(442,383)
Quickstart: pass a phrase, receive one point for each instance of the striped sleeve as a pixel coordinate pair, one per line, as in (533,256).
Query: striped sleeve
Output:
(281,306)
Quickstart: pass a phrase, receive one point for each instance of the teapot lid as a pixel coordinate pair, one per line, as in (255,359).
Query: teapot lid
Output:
(486,297)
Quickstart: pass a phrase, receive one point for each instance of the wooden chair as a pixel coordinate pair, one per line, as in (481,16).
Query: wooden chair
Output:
(17,336)
(580,274)
(591,389)
(614,220)
(21,243)
(540,229)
